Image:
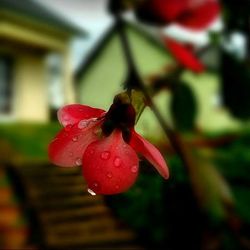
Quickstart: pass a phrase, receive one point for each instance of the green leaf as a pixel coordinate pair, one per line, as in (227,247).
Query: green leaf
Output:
(138,102)
(183,107)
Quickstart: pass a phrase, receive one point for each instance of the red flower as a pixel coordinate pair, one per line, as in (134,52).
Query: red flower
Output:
(192,14)
(105,144)
(184,55)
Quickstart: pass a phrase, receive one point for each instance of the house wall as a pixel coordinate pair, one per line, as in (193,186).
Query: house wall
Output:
(31,89)
(105,76)
(31,86)
(211,116)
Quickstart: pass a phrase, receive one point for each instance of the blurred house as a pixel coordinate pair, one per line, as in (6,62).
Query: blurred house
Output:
(100,77)
(35,68)
(104,72)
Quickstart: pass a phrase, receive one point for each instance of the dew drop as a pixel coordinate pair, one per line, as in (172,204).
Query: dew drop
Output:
(68,127)
(70,154)
(109,175)
(117,162)
(75,138)
(83,124)
(65,118)
(95,186)
(90,191)
(105,155)
(92,151)
(134,169)
(78,162)
(117,186)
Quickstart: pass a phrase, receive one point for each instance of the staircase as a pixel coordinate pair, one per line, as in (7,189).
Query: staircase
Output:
(68,216)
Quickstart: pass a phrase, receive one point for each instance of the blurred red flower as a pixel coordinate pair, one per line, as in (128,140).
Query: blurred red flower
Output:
(109,160)
(192,14)
(184,55)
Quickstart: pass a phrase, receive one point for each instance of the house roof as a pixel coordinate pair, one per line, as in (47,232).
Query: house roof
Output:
(84,66)
(35,10)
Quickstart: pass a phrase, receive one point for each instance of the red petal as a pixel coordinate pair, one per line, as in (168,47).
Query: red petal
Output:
(150,152)
(110,165)
(170,9)
(72,114)
(184,56)
(161,12)
(200,17)
(67,148)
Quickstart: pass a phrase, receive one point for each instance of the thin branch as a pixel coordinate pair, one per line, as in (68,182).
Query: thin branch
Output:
(135,81)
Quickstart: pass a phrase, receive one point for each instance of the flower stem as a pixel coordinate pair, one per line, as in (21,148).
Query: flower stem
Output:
(135,81)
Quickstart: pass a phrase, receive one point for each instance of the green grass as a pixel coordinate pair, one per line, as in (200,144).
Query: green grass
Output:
(27,140)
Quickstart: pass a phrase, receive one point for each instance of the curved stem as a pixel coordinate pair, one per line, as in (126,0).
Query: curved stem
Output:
(135,81)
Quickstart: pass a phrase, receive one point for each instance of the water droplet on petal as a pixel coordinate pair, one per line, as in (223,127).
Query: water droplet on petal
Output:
(92,151)
(105,155)
(65,118)
(78,162)
(83,124)
(75,138)
(70,154)
(134,169)
(90,191)
(117,162)
(117,186)
(109,175)
(68,127)
(95,186)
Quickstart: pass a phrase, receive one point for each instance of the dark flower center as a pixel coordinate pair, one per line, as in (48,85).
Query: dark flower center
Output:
(120,116)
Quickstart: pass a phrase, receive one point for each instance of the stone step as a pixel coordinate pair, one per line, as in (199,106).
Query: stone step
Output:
(51,170)
(67,202)
(51,182)
(80,227)
(74,214)
(69,217)
(59,191)
(91,238)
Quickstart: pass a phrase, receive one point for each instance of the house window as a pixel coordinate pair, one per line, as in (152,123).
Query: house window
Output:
(6,84)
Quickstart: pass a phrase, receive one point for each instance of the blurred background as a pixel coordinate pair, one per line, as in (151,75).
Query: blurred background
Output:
(54,53)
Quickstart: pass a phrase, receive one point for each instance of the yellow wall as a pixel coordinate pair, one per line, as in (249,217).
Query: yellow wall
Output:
(105,77)
(211,117)
(30,90)
(30,100)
